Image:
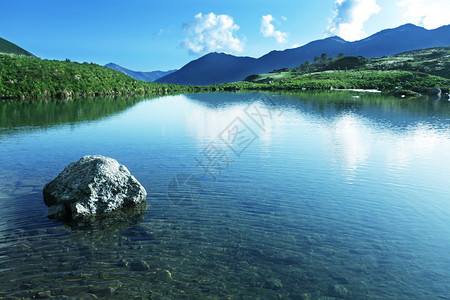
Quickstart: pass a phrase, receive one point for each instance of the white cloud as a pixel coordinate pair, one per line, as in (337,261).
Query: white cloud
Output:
(268,30)
(284,18)
(209,33)
(349,17)
(429,14)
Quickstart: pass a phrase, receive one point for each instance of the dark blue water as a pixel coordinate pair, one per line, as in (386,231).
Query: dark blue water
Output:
(249,196)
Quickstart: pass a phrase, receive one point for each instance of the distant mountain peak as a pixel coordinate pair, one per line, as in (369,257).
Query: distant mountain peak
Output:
(335,38)
(221,54)
(220,68)
(402,28)
(143,76)
(217,53)
(406,25)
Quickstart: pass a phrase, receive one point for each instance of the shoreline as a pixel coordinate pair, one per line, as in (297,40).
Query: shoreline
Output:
(357,90)
(198,89)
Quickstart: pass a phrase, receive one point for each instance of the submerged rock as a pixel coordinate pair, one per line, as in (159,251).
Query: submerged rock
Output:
(122,263)
(101,291)
(85,296)
(273,283)
(43,294)
(139,266)
(338,290)
(93,185)
(164,275)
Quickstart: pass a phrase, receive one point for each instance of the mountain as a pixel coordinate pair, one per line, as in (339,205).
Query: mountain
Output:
(408,73)
(223,68)
(8,47)
(142,76)
(212,68)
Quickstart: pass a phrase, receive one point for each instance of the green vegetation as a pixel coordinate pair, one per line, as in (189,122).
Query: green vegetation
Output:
(433,61)
(403,82)
(410,73)
(24,77)
(406,73)
(30,77)
(8,47)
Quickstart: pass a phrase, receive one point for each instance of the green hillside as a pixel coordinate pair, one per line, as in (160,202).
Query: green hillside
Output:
(30,77)
(411,73)
(392,82)
(434,61)
(8,47)
(408,73)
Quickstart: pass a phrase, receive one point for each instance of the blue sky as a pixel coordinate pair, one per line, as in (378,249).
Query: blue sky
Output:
(147,35)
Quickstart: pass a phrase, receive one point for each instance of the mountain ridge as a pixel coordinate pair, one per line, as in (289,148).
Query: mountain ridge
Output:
(226,68)
(11,48)
(139,75)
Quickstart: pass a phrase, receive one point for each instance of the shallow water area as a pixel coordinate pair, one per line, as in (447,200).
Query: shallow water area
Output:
(250,195)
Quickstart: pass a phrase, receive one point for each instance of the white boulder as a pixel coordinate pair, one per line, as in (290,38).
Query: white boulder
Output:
(93,185)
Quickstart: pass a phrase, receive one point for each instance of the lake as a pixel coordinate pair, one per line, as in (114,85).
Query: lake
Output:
(250,195)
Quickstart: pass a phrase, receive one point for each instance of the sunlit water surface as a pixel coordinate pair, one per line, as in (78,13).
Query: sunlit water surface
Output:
(287,196)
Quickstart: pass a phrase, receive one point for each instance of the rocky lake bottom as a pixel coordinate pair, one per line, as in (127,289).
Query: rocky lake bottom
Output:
(324,197)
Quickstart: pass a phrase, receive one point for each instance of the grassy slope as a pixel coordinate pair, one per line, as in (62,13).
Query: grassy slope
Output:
(434,61)
(8,47)
(409,72)
(31,77)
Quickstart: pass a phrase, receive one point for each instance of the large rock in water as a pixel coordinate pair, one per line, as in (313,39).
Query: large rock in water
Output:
(435,92)
(93,185)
